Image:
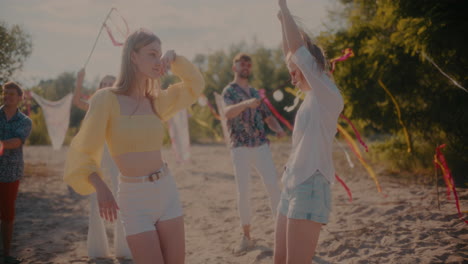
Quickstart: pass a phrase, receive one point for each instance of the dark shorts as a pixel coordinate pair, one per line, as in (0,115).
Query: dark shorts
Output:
(8,194)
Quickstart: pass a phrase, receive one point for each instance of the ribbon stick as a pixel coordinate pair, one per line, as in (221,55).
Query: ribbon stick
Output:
(347,53)
(99,34)
(350,195)
(104,25)
(358,136)
(353,147)
(405,131)
(443,73)
(273,110)
(442,164)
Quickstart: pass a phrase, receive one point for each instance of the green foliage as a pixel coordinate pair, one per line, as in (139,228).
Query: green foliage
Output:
(15,48)
(389,39)
(39,135)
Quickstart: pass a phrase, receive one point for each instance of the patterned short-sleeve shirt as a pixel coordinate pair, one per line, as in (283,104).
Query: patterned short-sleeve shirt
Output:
(248,128)
(11,162)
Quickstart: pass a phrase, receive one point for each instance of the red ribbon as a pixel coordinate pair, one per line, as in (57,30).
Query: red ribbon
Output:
(441,163)
(109,31)
(345,187)
(347,53)
(212,109)
(273,110)
(111,36)
(358,136)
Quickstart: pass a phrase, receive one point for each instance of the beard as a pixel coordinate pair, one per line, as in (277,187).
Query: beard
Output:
(244,74)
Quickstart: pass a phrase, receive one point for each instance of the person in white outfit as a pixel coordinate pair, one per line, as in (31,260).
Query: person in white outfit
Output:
(306,198)
(97,242)
(246,117)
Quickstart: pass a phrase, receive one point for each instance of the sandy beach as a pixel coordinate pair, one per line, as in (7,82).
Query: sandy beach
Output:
(401,225)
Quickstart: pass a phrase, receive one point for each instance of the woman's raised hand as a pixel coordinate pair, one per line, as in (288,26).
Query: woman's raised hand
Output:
(166,60)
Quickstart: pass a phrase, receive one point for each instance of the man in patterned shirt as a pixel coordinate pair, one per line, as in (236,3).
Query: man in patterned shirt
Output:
(246,117)
(15,127)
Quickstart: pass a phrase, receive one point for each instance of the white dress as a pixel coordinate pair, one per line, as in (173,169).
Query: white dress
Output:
(98,245)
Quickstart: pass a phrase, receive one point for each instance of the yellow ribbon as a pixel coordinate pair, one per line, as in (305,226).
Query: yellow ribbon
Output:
(359,155)
(407,137)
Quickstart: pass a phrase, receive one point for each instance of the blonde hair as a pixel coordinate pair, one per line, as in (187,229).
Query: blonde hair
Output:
(127,77)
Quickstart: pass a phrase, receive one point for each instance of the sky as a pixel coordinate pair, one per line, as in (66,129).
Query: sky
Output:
(63,31)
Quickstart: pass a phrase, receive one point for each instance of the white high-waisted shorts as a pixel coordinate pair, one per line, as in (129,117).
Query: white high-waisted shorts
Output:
(143,204)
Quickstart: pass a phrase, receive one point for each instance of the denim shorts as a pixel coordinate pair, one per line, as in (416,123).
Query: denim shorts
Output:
(310,200)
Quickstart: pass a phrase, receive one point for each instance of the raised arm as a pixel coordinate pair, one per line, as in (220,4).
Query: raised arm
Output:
(183,94)
(290,30)
(231,111)
(77,94)
(284,43)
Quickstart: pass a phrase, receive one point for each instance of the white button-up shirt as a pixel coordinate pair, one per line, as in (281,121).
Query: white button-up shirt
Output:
(315,124)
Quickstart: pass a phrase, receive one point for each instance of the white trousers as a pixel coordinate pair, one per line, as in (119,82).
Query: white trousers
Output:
(98,245)
(261,159)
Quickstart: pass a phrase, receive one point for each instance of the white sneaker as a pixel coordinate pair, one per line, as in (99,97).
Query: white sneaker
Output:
(243,246)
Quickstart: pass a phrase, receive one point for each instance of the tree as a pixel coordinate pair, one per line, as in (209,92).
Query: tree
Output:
(15,48)
(390,40)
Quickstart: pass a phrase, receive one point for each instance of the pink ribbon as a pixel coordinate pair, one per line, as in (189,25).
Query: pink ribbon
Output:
(273,110)
(347,53)
(441,163)
(212,109)
(358,136)
(109,31)
(345,187)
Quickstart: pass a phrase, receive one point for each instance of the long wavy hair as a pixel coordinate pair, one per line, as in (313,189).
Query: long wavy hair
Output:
(127,77)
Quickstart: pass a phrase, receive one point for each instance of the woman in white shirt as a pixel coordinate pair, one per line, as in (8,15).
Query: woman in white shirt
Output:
(306,199)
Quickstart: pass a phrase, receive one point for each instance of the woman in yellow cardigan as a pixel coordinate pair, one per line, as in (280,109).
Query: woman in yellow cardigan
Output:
(129,118)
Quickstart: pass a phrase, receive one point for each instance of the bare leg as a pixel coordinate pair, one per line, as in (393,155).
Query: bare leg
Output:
(302,238)
(172,238)
(280,239)
(145,248)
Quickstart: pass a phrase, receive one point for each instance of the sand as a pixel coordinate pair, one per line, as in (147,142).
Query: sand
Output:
(401,225)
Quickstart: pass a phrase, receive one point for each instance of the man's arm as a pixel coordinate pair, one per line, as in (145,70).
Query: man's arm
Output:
(20,135)
(275,126)
(11,143)
(232,111)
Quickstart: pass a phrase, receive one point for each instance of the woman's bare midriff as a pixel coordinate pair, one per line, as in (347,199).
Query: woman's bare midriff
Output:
(135,164)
